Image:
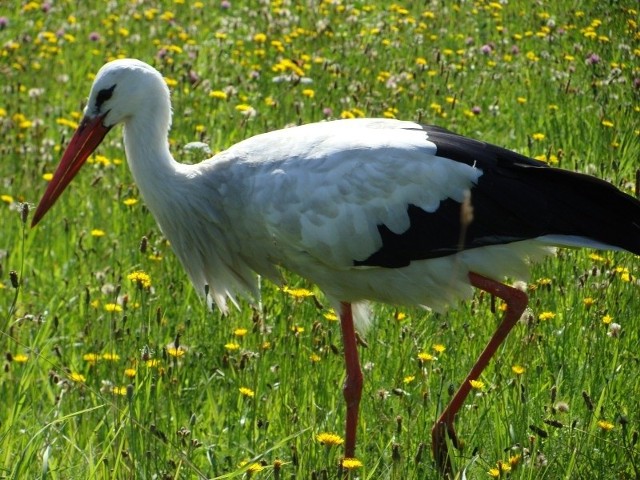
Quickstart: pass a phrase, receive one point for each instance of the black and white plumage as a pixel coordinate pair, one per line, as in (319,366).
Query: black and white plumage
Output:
(368,209)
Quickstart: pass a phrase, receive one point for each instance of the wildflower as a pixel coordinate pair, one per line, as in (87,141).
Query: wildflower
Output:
(96,232)
(314,357)
(219,94)
(514,460)
(240,332)
(607,123)
(176,352)
(425,357)
(232,346)
(521,100)
(351,463)
(588,302)
(297,292)
(77,377)
(114,357)
(330,316)
(494,473)
(329,439)
(20,358)
(47,176)
(129,202)
(246,392)
(119,390)
(297,329)
(477,384)
(6,198)
(614,330)
(260,38)
(153,362)
(130,372)
(308,92)
(409,379)
(439,348)
(400,316)
(518,369)
(607,319)
(546,316)
(538,136)
(140,278)
(604,425)
(113,307)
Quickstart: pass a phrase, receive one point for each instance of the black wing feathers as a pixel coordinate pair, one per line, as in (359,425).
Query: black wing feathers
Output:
(516,198)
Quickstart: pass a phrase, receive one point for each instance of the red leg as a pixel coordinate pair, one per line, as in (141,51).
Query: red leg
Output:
(516,301)
(352,388)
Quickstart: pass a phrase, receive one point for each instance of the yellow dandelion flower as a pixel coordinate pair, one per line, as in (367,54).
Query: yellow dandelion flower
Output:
(521,100)
(439,348)
(351,463)
(518,369)
(329,439)
(604,425)
(20,358)
(112,356)
(477,384)
(314,357)
(425,357)
(140,278)
(129,202)
(96,232)
(246,392)
(309,92)
(232,346)
(421,62)
(409,378)
(176,352)
(331,316)
(494,473)
(113,307)
(297,292)
(400,316)
(607,123)
(607,319)
(77,377)
(219,94)
(154,362)
(240,332)
(6,198)
(546,316)
(47,176)
(119,390)
(588,302)
(130,372)
(255,468)
(538,136)
(91,358)
(260,38)
(297,329)
(514,460)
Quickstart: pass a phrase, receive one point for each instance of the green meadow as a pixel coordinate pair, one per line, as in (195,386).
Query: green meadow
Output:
(113,367)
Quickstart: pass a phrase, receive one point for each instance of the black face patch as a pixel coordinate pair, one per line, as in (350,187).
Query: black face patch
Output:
(104,95)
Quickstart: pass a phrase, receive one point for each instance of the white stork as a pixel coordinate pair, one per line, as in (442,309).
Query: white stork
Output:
(368,209)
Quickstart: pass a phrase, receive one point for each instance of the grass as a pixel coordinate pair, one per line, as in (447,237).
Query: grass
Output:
(104,378)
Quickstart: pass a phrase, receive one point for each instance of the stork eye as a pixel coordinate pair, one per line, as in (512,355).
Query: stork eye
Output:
(104,95)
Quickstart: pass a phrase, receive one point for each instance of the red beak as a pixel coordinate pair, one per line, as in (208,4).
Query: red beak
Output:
(84,141)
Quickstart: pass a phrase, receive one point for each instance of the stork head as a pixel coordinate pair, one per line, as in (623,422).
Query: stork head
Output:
(121,90)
